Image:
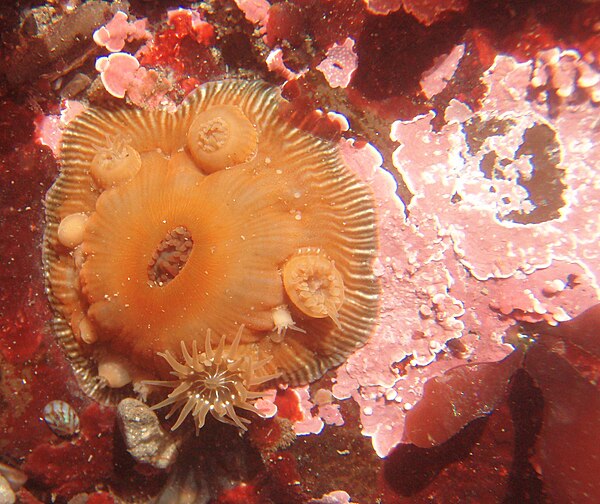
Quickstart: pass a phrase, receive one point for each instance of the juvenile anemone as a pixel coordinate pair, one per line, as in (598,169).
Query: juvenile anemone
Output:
(219,215)
(314,284)
(221,137)
(116,162)
(213,381)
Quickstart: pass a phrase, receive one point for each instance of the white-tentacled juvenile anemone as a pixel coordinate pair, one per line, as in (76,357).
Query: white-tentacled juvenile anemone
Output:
(212,381)
(218,216)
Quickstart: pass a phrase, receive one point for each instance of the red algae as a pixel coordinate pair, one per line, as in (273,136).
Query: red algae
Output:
(241,494)
(475,462)
(288,405)
(564,364)
(182,47)
(456,398)
(66,468)
(578,342)
(285,23)
(23,310)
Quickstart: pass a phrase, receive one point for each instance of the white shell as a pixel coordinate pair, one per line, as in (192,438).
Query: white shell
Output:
(61,418)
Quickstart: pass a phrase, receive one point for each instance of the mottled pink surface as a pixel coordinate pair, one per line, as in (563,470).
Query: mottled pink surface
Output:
(475,251)
(455,266)
(564,73)
(309,424)
(340,64)
(256,11)
(336,497)
(49,128)
(117,71)
(276,64)
(426,11)
(435,79)
(118,31)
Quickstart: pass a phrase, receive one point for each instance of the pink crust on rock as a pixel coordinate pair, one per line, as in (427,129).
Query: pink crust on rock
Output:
(315,414)
(49,129)
(118,31)
(478,248)
(340,64)
(266,404)
(256,11)
(276,64)
(335,497)
(426,11)
(436,78)
(566,74)
(484,169)
(309,424)
(122,74)
(117,71)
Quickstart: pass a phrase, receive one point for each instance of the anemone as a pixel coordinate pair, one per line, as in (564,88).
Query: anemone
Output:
(216,381)
(162,226)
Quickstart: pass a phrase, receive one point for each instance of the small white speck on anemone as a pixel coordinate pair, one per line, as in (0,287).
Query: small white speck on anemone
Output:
(216,381)
(177,223)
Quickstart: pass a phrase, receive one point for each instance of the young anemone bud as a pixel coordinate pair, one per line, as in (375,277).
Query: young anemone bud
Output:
(314,285)
(115,164)
(221,137)
(71,228)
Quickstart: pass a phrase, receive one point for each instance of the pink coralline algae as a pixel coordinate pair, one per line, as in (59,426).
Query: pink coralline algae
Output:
(276,64)
(48,129)
(501,227)
(121,75)
(117,71)
(436,78)
(148,77)
(566,73)
(340,64)
(255,11)
(426,11)
(118,31)
(336,497)
(309,423)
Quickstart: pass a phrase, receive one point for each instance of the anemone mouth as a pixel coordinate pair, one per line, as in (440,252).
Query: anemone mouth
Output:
(212,135)
(170,256)
(215,204)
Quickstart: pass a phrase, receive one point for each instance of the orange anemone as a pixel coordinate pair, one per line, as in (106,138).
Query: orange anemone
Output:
(222,217)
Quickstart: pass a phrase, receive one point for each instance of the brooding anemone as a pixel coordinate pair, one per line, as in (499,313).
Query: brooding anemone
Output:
(218,219)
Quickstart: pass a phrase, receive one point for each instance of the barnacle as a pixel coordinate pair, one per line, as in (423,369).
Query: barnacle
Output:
(215,381)
(164,225)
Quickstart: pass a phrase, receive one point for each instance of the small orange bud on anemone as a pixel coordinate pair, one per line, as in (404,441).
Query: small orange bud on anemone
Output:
(220,218)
